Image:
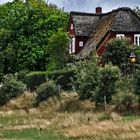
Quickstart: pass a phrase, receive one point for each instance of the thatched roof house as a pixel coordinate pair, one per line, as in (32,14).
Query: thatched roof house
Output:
(91,32)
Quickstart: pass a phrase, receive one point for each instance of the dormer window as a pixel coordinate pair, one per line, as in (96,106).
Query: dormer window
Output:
(120,36)
(81,43)
(137,39)
(71,26)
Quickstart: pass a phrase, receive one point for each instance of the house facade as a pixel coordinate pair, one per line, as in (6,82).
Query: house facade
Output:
(92,31)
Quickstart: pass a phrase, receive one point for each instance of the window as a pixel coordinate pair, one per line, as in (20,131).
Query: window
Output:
(72,45)
(71,26)
(81,44)
(120,36)
(137,39)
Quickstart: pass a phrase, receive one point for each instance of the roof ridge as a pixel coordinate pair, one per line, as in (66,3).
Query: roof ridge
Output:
(100,14)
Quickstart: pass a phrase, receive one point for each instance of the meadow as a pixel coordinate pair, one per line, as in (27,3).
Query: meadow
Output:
(66,118)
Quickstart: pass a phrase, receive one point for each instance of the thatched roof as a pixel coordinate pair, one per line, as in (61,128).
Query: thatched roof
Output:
(98,25)
(85,23)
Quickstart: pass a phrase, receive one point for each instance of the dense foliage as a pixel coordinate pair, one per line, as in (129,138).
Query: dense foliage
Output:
(10,88)
(86,78)
(108,76)
(61,77)
(57,50)
(25,28)
(137,10)
(125,98)
(45,91)
(118,51)
(137,84)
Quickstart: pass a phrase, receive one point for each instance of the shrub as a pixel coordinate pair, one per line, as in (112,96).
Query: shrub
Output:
(1,77)
(137,84)
(11,88)
(34,79)
(86,74)
(46,90)
(61,77)
(125,98)
(108,77)
(118,51)
(21,74)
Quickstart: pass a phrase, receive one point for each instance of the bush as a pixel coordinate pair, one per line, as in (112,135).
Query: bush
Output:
(45,91)
(86,74)
(21,74)
(34,79)
(108,77)
(124,101)
(137,84)
(10,88)
(125,98)
(61,77)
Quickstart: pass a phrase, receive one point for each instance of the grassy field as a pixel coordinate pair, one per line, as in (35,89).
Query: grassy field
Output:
(64,119)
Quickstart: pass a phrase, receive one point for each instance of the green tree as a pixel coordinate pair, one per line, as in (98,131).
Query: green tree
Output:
(86,78)
(25,28)
(137,84)
(118,51)
(108,77)
(137,10)
(57,50)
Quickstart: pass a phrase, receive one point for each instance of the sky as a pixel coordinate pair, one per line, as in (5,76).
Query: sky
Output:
(89,5)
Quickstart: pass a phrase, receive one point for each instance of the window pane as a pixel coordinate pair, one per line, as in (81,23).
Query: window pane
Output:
(136,40)
(81,44)
(120,36)
(73,45)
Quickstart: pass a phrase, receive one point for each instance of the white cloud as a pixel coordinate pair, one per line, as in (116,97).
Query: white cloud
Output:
(89,5)
(4,1)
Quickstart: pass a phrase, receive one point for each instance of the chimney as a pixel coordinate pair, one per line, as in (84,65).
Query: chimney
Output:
(98,10)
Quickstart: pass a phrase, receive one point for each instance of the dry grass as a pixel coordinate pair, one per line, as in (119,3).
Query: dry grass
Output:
(73,118)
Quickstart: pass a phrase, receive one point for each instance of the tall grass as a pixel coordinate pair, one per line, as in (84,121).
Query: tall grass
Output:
(65,118)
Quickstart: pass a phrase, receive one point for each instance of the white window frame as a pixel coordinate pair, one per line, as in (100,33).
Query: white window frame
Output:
(73,45)
(70,47)
(71,27)
(120,36)
(138,39)
(81,43)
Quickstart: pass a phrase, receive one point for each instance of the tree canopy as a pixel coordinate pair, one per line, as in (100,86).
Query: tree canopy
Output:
(118,51)
(25,28)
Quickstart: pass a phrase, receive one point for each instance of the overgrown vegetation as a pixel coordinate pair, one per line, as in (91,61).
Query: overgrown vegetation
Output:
(118,52)
(34,46)
(10,88)
(61,77)
(45,91)
(108,76)
(86,73)
(25,30)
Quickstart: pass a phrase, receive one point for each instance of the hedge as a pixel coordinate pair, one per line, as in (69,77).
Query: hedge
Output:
(61,77)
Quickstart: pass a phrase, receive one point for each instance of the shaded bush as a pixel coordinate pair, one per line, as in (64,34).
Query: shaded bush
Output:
(61,77)
(21,74)
(34,79)
(45,91)
(11,88)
